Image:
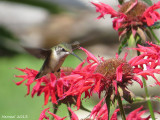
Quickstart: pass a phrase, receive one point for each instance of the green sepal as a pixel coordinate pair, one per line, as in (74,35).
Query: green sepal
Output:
(128,95)
(131,41)
(138,99)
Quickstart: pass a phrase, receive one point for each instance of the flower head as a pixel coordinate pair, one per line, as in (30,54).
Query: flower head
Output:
(112,76)
(51,85)
(134,115)
(132,16)
(152,53)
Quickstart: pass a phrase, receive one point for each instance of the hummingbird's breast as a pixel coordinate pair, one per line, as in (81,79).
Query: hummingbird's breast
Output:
(56,61)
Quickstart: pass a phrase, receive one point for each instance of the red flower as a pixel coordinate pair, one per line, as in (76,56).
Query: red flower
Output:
(50,84)
(73,115)
(134,115)
(99,112)
(30,76)
(107,75)
(43,115)
(112,75)
(153,53)
(132,15)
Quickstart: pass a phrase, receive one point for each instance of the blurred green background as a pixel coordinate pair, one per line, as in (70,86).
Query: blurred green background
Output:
(13,100)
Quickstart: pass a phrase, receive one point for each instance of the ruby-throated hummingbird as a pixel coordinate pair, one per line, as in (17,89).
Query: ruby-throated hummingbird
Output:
(54,57)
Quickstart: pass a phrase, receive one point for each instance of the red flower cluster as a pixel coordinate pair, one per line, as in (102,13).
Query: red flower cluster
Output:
(51,85)
(132,15)
(99,112)
(95,77)
(108,75)
(151,53)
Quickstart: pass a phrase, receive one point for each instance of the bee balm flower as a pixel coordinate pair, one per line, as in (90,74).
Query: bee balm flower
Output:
(133,15)
(110,76)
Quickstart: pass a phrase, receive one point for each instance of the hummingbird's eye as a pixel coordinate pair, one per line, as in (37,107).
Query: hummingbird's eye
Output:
(63,50)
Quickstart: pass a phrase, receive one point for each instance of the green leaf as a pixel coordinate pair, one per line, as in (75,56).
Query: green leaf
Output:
(122,45)
(149,2)
(51,7)
(121,1)
(149,34)
(155,26)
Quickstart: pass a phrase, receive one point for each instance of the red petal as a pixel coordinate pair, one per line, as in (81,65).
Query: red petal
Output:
(138,80)
(74,116)
(96,109)
(56,117)
(114,115)
(42,115)
(119,73)
(105,9)
(90,56)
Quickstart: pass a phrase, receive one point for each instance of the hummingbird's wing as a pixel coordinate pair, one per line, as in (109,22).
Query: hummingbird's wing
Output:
(75,45)
(39,53)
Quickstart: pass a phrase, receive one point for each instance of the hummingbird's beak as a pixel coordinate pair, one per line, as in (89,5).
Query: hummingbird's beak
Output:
(76,56)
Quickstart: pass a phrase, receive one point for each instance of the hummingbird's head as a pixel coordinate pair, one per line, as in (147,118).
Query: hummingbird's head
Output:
(64,49)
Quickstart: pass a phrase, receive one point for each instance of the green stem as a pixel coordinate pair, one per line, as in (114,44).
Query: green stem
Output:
(154,35)
(111,105)
(108,102)
(121,107)
(148,100)
(147,96)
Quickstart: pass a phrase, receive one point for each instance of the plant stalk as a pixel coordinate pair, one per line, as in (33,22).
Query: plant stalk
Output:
(122,112)
(154,35)
(148,100)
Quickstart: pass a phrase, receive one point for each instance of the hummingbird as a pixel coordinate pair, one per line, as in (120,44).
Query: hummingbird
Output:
(54,57)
